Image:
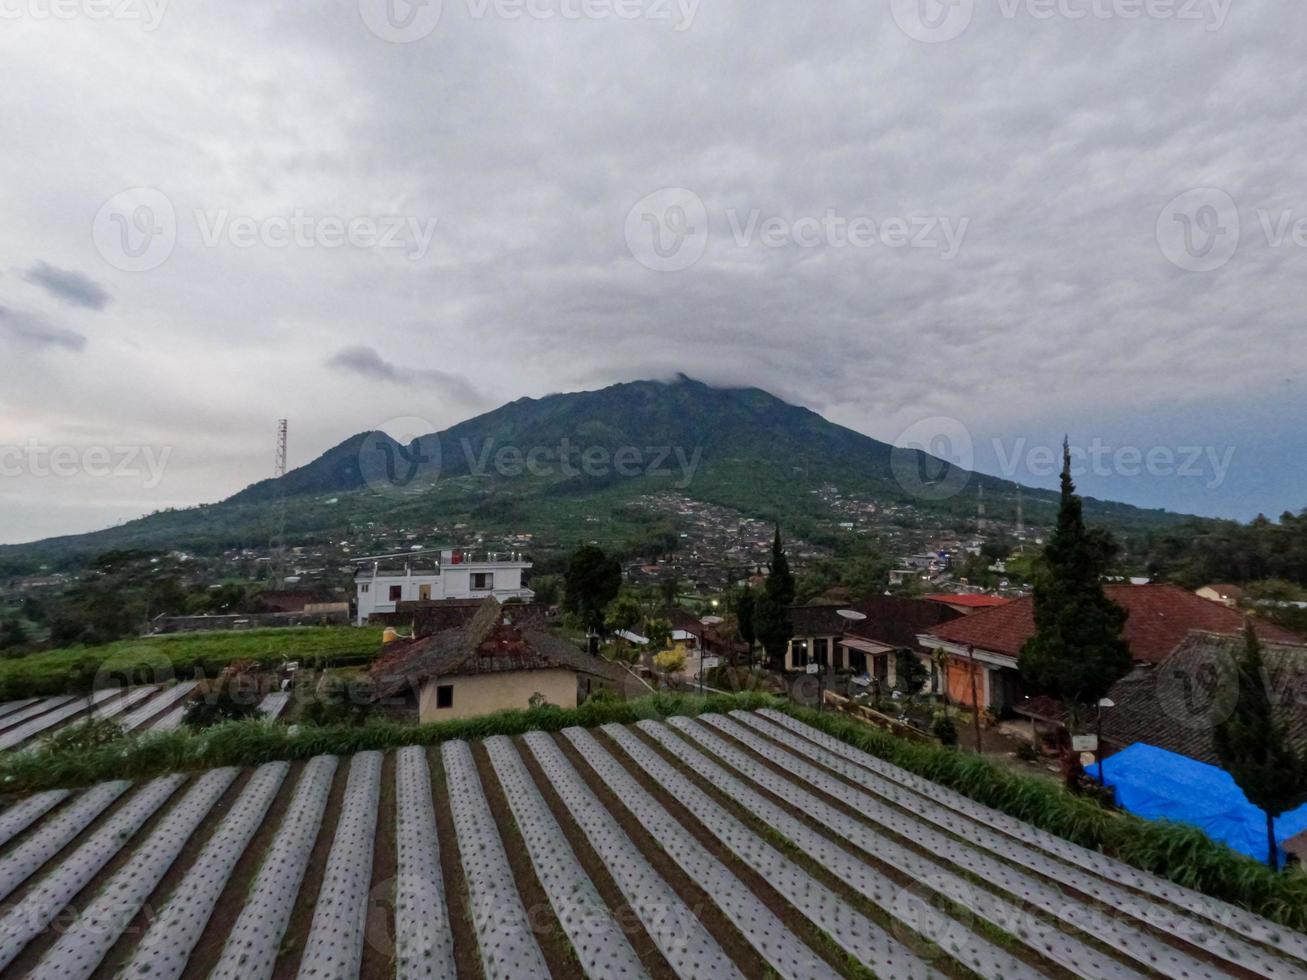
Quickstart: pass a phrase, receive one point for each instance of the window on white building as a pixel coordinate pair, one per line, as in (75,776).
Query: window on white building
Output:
(364,587)
(396,593)
(483,581)
(445,696)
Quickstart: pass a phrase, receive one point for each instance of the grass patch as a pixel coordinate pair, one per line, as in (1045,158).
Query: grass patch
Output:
(251,743)
(157,659)
(1182,854)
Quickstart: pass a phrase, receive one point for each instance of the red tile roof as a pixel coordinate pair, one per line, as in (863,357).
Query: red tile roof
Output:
(1161,616)
(971,601)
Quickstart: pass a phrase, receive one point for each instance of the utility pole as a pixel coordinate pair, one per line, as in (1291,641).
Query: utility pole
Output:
(975,700)
(278,566)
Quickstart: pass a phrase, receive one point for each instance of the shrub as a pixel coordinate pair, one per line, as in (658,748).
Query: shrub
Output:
(234,696)
(88,734)
(254,742)
(338,702)
(159,658)
(943,729)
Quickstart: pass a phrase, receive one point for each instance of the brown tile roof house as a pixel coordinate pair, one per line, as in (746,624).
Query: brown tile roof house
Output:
(891,623)
(1177,704)
(1161,616)
(491,642)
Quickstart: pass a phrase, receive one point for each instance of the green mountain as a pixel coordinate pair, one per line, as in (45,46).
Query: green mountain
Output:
(576,465)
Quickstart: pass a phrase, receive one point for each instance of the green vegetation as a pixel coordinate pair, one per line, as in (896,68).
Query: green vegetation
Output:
(1254,748)
(1200,553)
(250,743)
(1182,854)
(1078,650)
(233,695)
(771,609)
(160,658)
(728,443)
(592,581)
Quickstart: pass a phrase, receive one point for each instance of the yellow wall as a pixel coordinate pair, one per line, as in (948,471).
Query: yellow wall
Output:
(482,694)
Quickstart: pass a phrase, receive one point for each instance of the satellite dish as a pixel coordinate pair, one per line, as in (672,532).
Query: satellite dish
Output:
(851,614)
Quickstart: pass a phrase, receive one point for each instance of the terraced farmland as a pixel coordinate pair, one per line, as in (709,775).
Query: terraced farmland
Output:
(147,707)
(741,845)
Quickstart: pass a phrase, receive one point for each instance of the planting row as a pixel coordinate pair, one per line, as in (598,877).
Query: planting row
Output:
(157,708)
(717,847)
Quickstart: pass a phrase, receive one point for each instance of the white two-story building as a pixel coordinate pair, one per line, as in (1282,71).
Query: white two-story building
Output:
(384,581)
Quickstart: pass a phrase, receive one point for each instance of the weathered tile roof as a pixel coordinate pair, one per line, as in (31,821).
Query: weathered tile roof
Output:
(491,642)
(1160,617)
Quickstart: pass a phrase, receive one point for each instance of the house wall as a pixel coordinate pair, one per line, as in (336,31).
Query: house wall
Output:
(796,658)
(483,694)
(450,582)
(959,681)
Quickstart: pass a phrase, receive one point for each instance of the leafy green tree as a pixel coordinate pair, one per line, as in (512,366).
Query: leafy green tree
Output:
(1077,651)
(669,587)
(547,589)
(771,614)
(592,580)
(659,634)
(624,613)
(910,674)
(1254,749)
(12,634)
(669,662)
(746,605)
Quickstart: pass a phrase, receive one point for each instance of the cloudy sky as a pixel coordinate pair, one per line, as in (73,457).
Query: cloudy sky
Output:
(999,221)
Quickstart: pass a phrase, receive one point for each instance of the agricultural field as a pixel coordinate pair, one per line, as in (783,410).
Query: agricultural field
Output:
(740,845)
(158,659)
(26,723)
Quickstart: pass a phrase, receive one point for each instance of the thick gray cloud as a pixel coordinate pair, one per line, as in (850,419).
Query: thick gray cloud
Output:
(367,363)
(30,331)
(68,285)
(335,215)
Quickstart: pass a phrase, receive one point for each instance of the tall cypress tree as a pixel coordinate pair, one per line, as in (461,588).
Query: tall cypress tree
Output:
(1078,651)
(1254,750)
(771,614)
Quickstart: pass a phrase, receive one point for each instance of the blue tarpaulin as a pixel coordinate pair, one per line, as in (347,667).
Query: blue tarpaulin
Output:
(1161,785)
